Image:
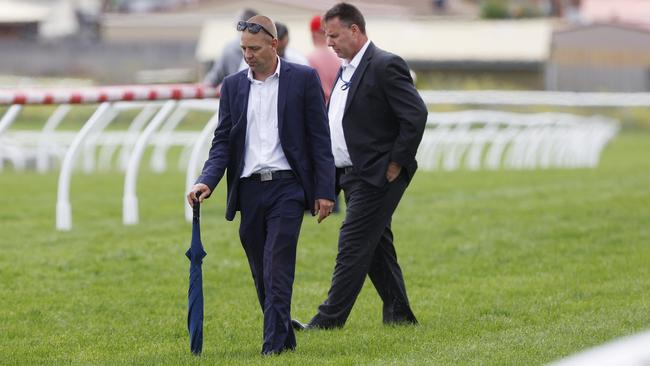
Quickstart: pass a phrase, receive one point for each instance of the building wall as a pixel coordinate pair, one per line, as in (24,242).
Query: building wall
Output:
(107,63)
(605,79)
(479,79)
(600,58)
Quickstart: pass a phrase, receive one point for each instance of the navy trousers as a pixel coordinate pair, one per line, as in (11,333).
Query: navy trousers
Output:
(271,216)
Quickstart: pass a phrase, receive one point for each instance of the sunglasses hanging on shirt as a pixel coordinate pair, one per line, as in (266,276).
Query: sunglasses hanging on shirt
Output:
(346,84)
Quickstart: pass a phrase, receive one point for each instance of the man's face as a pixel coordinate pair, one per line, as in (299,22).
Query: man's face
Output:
(259,50)
(341,38)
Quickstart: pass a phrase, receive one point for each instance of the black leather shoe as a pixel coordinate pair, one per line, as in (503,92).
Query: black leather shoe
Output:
(402,322)
(276,352)
(298,326)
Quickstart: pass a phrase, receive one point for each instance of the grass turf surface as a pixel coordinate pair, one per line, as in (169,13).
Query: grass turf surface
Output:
(507,267)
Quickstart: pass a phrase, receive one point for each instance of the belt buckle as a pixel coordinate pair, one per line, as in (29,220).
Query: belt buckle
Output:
(266,176)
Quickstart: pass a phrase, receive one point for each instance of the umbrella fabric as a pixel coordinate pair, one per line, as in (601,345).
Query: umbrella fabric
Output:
(195,293)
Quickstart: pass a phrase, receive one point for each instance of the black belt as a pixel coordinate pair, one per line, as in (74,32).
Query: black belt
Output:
(269,176)
(345,170)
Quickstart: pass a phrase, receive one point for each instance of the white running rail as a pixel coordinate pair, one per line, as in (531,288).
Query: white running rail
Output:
(14,145)
(63,207)
(488,139)
(130,201)
(470,139)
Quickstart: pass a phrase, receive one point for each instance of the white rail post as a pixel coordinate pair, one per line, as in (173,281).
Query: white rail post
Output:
(90,143)
(196,105)
(9,116)
(63,208)
(130,201)
(192,166)
(132,133)
(45,139)
(6,121)
(158,160)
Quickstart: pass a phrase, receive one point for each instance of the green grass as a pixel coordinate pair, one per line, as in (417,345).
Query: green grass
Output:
(507,267)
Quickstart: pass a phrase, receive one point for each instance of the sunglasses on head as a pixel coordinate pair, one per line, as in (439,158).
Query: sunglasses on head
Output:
(252,28)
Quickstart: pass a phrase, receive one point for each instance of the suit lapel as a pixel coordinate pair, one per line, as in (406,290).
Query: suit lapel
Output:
(283,88)
(240,125)
(243,90)
(358,75)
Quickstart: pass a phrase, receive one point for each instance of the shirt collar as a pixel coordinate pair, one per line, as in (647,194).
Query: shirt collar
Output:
(276,73)
(356,60)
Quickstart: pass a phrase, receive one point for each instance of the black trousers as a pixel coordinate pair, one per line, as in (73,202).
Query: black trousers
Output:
(271,216)
(366,248)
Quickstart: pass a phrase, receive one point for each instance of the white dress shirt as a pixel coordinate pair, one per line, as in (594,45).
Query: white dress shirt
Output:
(337,107)
(263,151)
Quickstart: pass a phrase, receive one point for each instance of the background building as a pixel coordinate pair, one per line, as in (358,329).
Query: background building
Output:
(600,57)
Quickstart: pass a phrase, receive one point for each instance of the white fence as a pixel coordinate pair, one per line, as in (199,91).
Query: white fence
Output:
(162,109)
(472,139)
(479,139)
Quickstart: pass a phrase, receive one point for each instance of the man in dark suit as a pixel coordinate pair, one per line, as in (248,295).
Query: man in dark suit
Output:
(377,119)
(273,140)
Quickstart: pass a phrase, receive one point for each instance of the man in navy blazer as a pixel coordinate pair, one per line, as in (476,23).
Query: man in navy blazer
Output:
(273,141)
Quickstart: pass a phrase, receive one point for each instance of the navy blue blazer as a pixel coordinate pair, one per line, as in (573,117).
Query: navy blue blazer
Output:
(303,129)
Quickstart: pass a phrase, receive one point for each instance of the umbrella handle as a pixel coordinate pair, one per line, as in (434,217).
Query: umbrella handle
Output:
(196,207)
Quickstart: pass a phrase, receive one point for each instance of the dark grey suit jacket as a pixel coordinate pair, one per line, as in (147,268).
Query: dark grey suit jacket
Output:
(384,116)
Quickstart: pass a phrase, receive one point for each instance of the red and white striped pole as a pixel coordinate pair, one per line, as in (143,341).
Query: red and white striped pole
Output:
(105,94)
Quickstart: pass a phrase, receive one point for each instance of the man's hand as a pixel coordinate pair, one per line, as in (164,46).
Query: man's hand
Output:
(199,187)
(324,208)
(393,171)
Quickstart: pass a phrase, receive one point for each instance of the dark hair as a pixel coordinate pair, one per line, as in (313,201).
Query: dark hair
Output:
(283,31)
(348,15)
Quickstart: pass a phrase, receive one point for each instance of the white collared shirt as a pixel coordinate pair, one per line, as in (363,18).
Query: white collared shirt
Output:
(263,151)
(337,108)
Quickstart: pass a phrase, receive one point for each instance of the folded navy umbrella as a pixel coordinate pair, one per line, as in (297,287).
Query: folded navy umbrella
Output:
(195,292)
